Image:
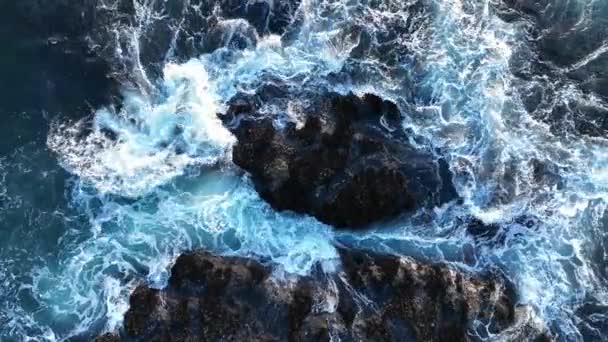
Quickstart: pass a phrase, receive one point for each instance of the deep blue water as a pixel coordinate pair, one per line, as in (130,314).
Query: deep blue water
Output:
(85,218)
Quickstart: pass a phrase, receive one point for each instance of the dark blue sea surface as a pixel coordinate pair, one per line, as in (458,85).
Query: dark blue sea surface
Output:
(100,192)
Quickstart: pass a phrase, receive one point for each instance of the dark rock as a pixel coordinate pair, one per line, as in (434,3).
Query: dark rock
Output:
(497,234)
(211,298)
(349,164)
(109,337)
(481,230)
(143,300)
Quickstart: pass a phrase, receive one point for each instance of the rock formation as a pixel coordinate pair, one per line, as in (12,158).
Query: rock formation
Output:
(372,298)
(349,163)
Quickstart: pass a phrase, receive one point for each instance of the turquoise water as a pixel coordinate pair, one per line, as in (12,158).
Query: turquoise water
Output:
(84,220)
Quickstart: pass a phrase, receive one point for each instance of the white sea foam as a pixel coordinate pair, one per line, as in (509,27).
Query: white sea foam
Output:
(156,139)
(162,183)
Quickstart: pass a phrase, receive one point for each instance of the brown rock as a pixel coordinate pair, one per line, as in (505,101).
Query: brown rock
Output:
(373,298)
(344,166)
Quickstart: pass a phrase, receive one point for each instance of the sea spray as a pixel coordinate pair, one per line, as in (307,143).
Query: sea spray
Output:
(151,177)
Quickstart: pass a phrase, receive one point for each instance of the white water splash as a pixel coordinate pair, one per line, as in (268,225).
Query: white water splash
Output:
(162,183)
(157,136)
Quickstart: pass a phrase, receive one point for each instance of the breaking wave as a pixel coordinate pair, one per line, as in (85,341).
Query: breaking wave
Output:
(152,175)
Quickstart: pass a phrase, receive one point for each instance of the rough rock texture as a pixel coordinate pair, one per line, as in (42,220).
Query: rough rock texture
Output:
(109,337)
(348,164)
(374,298)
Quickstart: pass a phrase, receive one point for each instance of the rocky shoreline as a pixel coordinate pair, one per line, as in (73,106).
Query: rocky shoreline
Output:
(372,297)
(348,163)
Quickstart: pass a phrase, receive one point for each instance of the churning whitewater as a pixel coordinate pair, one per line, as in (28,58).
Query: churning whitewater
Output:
(150,176)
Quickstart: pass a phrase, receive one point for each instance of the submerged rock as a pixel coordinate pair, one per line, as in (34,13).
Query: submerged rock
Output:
(373,297)
(69,39)
(181,30)
(348,164)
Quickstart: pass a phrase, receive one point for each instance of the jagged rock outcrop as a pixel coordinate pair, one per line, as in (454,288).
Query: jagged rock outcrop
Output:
(372,298)
(349,164)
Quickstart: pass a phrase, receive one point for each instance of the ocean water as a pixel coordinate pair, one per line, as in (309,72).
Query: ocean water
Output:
(84,218)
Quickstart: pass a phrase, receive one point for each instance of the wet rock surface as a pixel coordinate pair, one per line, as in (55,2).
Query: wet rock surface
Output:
(348,162)
(373,298)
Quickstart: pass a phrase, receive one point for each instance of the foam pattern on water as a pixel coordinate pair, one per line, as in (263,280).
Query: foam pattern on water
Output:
(154,139)
(153,177)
